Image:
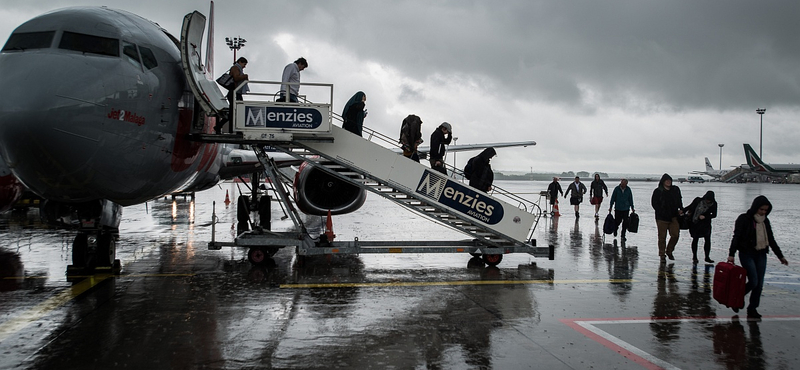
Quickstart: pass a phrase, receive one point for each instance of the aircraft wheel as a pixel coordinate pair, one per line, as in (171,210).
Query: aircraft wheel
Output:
(258,256)
(106,249)
(80,250)
(243,209)
(492,259)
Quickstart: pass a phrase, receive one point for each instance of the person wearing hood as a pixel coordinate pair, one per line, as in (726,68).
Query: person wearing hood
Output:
(702,210)
(480,171)
(439,138)
(668,205)
(354,113)
(411,136)
(752,238)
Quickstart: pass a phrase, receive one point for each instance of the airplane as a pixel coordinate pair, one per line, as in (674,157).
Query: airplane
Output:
(710,171)
(755,164)
(97,107)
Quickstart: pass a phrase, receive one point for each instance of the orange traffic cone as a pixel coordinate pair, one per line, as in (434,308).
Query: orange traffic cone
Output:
(555,209)
(227,198)
(329,228)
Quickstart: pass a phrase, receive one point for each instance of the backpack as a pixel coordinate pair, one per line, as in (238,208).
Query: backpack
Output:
(226,81)
(468,169)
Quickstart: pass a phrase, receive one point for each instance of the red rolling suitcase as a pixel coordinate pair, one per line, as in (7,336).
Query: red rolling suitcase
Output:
(729,281)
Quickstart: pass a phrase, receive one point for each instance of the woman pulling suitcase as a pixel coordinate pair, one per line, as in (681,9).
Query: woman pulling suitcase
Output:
(751,237)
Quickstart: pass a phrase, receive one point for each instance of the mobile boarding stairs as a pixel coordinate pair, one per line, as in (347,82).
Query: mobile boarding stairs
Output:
(305,131)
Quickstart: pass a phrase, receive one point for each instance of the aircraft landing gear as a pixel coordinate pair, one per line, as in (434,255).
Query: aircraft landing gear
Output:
(94,252)
(95,245)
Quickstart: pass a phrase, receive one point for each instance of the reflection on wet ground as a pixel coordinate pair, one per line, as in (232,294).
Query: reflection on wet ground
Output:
(600,304)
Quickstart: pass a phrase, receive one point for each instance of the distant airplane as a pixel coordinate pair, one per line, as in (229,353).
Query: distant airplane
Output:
(710,171)
(97,106)
(755,164)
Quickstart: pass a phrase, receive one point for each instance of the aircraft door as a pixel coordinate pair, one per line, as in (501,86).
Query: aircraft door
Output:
(203,86)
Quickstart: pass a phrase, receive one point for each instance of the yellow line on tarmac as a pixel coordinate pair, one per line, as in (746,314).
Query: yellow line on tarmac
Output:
(37,312)
(445,283)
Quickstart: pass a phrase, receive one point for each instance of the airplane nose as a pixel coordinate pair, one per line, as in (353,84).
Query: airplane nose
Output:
(43,114)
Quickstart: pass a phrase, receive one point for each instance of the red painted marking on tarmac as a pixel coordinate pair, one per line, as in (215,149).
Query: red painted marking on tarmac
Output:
(639,359)
(610,345)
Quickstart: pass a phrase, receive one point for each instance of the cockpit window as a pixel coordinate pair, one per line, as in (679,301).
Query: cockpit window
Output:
(89,44)
(131,54)
(148,58)
(29,40)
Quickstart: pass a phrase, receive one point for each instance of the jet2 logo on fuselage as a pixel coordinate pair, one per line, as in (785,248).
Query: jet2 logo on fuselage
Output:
(459,197)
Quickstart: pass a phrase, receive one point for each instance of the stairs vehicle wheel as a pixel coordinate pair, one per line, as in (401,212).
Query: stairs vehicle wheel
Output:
(492,259)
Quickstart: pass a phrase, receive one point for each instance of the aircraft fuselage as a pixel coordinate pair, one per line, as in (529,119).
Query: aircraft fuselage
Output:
(94,105)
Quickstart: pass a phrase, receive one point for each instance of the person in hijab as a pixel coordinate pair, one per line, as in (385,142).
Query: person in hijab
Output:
(354,113)
(481,176)
(668,205)
(752,238)
(702,210)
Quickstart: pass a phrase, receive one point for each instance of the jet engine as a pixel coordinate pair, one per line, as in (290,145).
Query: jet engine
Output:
(316,192)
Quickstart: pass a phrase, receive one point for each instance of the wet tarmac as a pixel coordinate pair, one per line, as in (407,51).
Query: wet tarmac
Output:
(600,304)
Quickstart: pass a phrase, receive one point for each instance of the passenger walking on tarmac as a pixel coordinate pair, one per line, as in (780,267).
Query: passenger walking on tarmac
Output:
(291,74)
(702,210)
(668,204)
(439,138)
(237,73)
(596,189)
(411,136)
(354,113)
(479,172)
(578,190)
(622,202)
(554,189)
(752,238)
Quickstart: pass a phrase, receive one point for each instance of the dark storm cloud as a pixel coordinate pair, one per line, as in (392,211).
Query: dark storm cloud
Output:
(685,55)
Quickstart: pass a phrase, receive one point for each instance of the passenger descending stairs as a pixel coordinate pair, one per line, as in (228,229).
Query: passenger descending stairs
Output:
(382,171)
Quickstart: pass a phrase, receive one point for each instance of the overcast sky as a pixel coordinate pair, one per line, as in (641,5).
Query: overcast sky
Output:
(613,86)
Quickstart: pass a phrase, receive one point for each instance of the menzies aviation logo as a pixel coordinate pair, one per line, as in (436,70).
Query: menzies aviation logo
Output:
(283,117)
(459,197)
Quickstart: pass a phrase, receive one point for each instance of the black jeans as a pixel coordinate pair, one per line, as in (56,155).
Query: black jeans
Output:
(621,217)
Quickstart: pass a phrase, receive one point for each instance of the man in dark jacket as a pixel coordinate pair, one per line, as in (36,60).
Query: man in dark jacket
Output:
(752,238)
(481,175)
(554,189)
(439,138)
(578,189)
(668,205)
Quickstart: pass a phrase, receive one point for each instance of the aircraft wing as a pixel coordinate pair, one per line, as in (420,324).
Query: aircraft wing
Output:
(423,150)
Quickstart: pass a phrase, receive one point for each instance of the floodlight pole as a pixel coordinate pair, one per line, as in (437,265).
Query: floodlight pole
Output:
(760,112)
(720,156)
(235,44)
